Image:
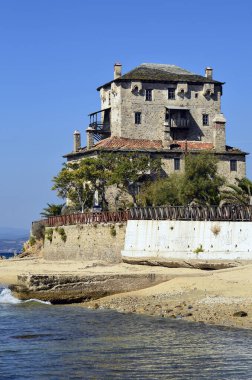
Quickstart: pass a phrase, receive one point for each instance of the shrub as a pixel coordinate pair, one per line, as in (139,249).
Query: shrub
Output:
(32,240)
(49,234)
(112,231)
(62,234)
(199,249)
(38,230)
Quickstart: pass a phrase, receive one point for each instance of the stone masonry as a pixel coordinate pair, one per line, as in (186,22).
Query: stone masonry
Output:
(86,242)
(162,110)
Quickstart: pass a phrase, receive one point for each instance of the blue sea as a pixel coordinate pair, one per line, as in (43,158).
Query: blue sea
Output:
(8,255)
(41,341)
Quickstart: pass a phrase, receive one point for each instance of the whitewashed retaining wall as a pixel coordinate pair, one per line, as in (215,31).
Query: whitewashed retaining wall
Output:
(186,239)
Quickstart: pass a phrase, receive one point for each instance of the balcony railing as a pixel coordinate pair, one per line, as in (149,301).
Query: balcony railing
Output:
(99,126)
(178,123)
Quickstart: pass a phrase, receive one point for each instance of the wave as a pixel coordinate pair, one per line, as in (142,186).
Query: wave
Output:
(7,298)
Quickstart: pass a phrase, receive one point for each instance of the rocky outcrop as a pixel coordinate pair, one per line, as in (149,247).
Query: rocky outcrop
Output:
(63,288)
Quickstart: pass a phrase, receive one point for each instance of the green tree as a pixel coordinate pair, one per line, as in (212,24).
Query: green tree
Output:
(201,183)
(97,173)
(78,181)
(129,171)
(164,191)
(52,209)
(72,183)
(240,193)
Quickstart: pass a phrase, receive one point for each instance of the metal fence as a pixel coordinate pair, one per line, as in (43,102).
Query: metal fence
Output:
(212,213)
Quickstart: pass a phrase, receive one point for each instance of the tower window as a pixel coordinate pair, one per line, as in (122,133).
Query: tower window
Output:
(148,95)
(233,165)
(205,119)
(171,93)
(176,163)
(137,117)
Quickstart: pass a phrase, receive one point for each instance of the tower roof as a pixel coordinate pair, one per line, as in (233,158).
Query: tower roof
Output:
(156,72)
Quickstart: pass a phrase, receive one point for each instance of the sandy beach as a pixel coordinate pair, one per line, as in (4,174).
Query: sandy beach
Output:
(222,297)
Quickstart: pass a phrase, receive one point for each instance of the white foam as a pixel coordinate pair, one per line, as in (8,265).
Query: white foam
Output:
(7,298)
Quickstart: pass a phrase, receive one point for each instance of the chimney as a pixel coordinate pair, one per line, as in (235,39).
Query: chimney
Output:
(219,134)
(90,137)
(117,70)
(209,72)
(77,141)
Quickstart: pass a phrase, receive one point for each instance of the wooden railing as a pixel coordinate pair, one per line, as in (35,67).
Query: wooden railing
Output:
(213,213)
(179,123)
(87,218)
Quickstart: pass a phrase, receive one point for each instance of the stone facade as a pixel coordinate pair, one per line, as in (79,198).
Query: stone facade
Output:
(125,102)
(162,110)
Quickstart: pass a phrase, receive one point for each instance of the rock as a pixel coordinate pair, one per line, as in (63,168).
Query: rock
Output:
(190,307)
(240,314)
(67,288)
(187,315)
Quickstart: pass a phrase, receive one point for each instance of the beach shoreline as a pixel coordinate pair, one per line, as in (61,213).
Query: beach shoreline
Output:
(220,297)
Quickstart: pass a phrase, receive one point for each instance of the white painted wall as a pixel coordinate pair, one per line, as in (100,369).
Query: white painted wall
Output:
(179,239)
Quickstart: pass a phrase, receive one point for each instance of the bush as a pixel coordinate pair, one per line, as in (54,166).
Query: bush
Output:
(112,231)
(32,240)
(165,191)
(49,234)
(199,249)
(62,234)
(38,230)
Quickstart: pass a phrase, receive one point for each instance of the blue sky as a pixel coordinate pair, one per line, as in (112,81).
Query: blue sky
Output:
(54,54)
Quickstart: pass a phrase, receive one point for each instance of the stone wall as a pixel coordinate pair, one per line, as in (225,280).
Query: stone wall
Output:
(166,239)
(85,242)
(224,167)
(187,240)
(124,102)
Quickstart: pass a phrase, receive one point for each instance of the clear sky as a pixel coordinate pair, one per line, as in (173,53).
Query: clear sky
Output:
(55,53)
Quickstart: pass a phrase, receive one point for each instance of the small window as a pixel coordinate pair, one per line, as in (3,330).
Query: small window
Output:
(176,163)
(233,165)
(171,93)
(137,117)
(196,95)
(109,98)
(205,119)
(148,95)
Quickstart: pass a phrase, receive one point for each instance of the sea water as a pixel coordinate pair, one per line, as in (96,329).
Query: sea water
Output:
(41,341)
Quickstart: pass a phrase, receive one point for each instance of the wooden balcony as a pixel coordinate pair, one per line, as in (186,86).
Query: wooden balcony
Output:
(178,123)
(99,124)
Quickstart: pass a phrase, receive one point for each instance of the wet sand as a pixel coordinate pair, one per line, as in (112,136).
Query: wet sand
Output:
(214,298)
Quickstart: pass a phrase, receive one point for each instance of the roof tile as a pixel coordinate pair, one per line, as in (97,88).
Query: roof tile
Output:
(122,143)
(194,145)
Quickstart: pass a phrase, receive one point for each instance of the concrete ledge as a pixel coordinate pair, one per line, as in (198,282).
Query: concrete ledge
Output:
(196,264)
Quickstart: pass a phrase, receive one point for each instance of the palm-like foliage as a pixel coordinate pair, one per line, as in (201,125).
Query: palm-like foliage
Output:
(52,210)
(239,193)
